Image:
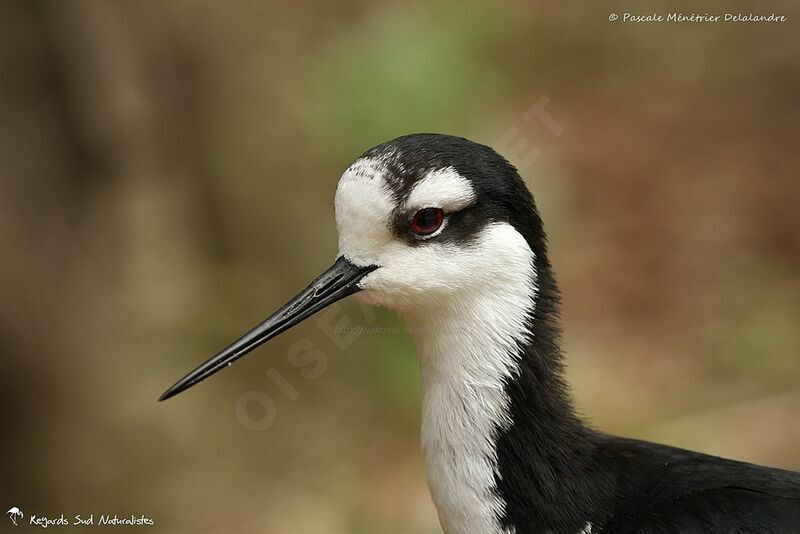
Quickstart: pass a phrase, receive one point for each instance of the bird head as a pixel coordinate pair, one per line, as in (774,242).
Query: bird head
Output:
(424,221)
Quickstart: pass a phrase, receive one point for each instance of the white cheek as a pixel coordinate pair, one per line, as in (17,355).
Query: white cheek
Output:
(415,276)
(406,275)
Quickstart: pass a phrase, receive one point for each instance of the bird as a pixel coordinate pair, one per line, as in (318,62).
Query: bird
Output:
(444,231)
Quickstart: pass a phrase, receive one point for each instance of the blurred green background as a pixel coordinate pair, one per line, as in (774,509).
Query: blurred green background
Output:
(167,171)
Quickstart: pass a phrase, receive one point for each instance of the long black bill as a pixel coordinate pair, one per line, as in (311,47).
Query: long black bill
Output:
(334,284)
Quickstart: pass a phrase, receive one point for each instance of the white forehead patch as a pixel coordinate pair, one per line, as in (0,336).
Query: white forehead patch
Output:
(369,168)
(442,188)
(364,204)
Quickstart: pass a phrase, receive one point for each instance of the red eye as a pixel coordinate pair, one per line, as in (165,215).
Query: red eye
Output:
(427,221)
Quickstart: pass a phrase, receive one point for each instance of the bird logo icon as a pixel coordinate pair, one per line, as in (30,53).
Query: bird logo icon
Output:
(14,514)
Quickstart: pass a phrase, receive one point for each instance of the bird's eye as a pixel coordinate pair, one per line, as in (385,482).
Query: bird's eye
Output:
(427,221)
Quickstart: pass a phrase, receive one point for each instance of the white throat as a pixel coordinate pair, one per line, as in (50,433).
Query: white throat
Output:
(467,345)
(468,304)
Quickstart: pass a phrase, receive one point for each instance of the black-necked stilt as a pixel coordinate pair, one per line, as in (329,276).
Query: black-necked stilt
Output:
(444,231)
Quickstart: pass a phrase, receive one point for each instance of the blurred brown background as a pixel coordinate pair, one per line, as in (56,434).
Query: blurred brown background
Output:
(167,172)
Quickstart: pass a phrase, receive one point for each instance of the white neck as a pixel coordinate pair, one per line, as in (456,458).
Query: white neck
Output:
(467,346)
